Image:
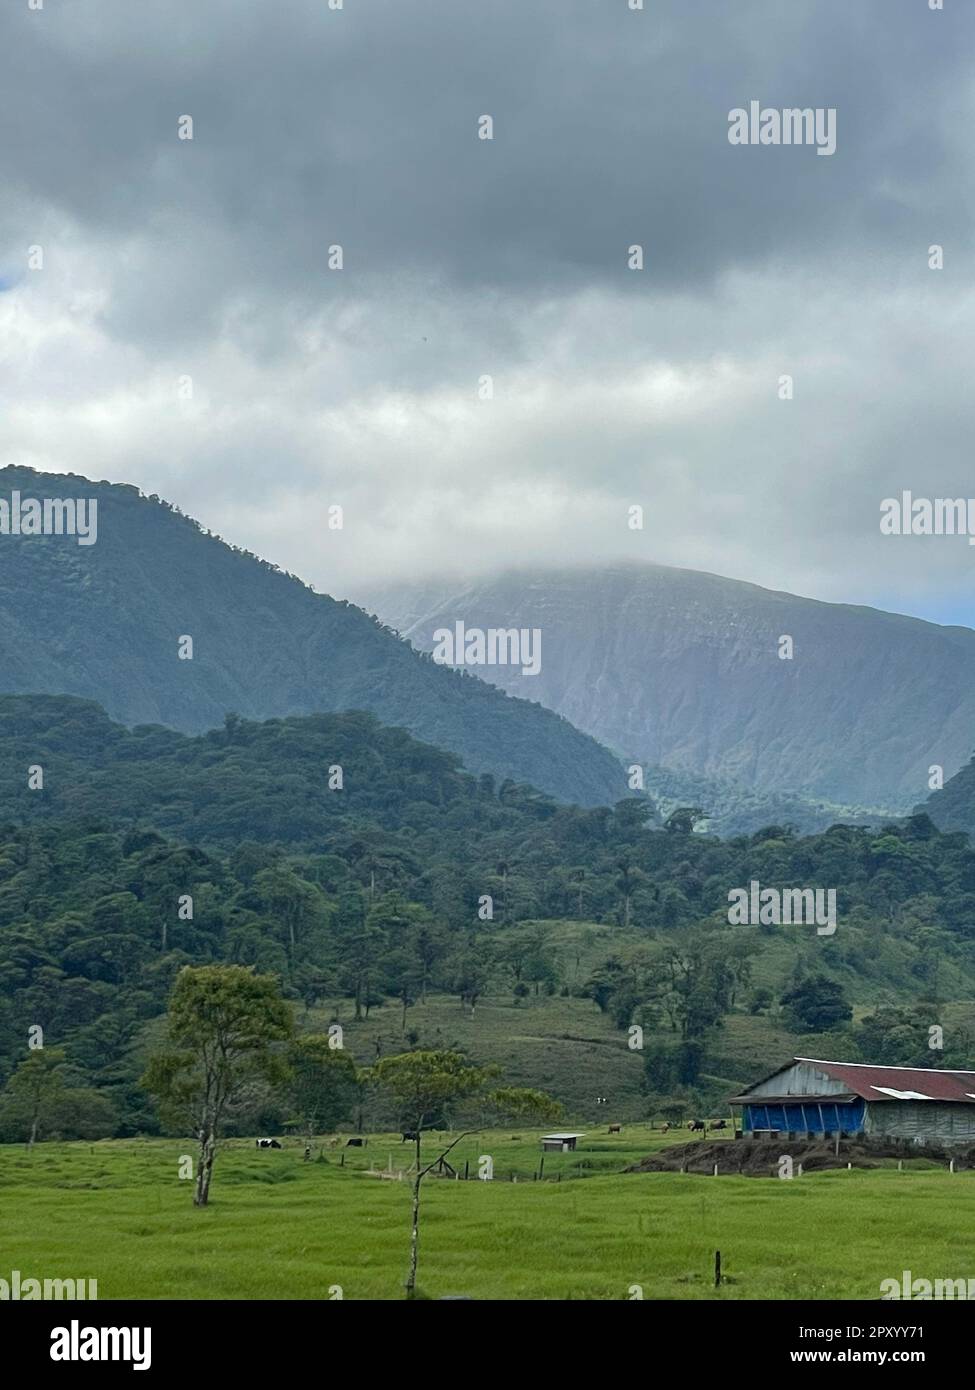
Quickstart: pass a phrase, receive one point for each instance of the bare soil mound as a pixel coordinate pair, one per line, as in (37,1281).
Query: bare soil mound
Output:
(759,1158)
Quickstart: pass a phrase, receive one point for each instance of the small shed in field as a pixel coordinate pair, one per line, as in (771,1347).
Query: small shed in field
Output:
(809,1097)
(560,1143)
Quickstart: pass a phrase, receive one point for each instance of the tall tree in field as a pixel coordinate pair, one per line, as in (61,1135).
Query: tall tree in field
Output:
(423,1086)
(223,1022)
(35,1092)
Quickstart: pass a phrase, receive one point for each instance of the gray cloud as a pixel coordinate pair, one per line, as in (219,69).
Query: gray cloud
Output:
(464,257)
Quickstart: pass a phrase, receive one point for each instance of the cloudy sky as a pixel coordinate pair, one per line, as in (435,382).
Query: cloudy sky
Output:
(464,258)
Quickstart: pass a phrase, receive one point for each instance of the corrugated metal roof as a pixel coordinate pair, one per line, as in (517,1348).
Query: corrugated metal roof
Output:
(887,1083)
(898,1083)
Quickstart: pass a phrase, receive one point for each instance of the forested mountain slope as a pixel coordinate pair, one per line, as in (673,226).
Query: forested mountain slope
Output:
(104,621)
(373,896)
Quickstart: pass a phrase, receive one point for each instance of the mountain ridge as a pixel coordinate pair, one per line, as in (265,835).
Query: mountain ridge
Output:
(103,622)
(679,669)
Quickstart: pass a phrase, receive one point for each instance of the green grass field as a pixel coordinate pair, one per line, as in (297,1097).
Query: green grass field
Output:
(279,1227)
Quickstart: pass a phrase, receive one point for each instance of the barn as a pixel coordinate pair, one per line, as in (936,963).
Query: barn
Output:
(809,1097)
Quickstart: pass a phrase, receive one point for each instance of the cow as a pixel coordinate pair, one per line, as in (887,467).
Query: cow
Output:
(696,1125)
(409,1134)
(267,1144)
(718,1124)
(615,1129)
(354,1143)
(666,1127)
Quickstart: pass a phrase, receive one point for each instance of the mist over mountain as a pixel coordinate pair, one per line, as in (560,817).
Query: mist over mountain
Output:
(105,621)
(681,669)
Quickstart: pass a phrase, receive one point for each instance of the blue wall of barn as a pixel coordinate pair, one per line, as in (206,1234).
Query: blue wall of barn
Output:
(805,1117)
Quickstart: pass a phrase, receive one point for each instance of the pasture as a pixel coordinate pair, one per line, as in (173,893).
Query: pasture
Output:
(280,1227)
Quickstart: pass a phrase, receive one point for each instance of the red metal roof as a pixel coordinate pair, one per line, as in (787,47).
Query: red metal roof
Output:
(899,1083)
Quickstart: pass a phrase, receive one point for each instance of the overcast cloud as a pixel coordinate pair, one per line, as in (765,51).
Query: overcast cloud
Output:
(166,258)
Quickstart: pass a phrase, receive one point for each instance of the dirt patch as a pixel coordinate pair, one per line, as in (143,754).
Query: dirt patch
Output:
(759,1158)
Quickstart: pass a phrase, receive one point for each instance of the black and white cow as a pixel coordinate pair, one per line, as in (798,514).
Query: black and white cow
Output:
(267,1144)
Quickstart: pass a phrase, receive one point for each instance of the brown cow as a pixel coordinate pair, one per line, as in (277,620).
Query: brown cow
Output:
(615,1129)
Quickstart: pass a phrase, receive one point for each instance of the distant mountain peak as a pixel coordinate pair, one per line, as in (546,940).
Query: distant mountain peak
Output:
(689,671)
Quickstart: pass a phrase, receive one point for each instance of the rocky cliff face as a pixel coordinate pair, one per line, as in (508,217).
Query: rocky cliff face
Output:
(683,669)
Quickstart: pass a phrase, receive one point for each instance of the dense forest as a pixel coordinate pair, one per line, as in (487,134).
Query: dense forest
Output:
(362,869)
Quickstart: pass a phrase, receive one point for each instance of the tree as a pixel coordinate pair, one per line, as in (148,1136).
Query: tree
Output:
(430,943)
(816,1004)
(223,1021)
(360,947)
(579,879)
(761,1000)
(627,880)
(402,978)
(684,819)
(33,1095)
(290,901)
(322,1083)
(605,982)
(422,1086)
(897,1035)
(84,1113)
(697,989)
(468,971)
